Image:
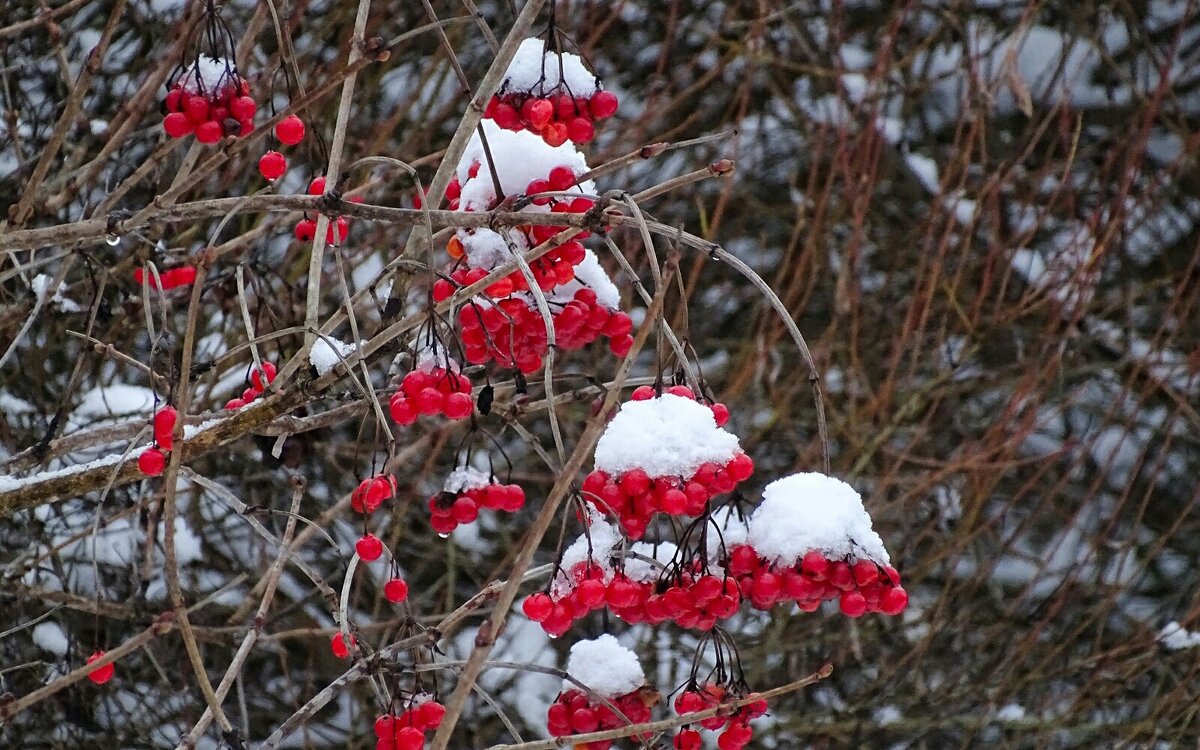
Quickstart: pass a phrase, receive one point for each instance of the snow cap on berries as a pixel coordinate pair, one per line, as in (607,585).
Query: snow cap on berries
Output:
(812,511)
(466,478)
(486,248)
(429,359)
(208,75)
(727,527)
(637,563)
(668,436)
(605,666)
(595,545)
(535,70)
(589,273)
(520,158)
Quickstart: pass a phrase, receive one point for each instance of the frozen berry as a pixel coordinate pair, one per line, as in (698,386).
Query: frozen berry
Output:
(272,165)
(290,130)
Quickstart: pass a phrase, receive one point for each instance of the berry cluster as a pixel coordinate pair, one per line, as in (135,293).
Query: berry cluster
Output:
(556,117)
(406,731)
(690,601)
(573,712)
(170,279)
(338,227)
(153,460)
(100,675)
(860,586)
(448,509)
(737,731)
(556,614)
(634,497)
(512,332)
(439,390)
(209,108)
(371,492)
(259,379)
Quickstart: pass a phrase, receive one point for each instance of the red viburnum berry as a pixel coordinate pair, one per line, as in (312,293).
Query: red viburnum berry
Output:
(341,646)
(603,104)
(209,132)
(688,739)
(537,607)
(100,675)
(243,108)
(272,165)
(369,547)
(177,125)
(290,130)
(396,590)
(430,714)
(164,427)
(152,462)
(306,230)
(256,377)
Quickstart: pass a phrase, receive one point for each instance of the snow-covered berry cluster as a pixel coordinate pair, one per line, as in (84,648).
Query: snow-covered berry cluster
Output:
(466,492)
(407,730)
(168,279)
(664,453)
(430,390)
(153,460)
(550,93)
(615,680)
(259,379)
(735,730)
(810,541)
(211,100)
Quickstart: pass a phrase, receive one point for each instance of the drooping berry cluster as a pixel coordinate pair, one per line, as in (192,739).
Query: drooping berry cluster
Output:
(153,460)
(634,494)
(338,228)
(860,586)
(574,712)
(513,333)
(259,379)
(372,492)
(437,390)
(407,730)
(170,279)
(551,93)
(465,493)
(690,601)
(211,100)
(557,613)
(735,728)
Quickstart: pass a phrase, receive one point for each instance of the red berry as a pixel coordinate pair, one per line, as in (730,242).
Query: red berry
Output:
(603,104)
(290,130)
(894,601)
(561,178)
(642,393)
(306,230)
(537,607)
(369,547)
(580,130)
(243,108)
(688,739)
(100,675)
(409,738)
(317,186)
(195,107)
(272,165)
(396,590)
(458,406)
(152,462)
(404,412)
(555,134)
(177,125)
(256,377)
(689,702)
(164,426)
(720,414)
(853,604)
(537,113)
(341,646)
(209,132)
(430,714)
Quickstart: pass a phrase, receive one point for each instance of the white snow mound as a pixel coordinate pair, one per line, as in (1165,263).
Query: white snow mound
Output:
(591,274)
(605,666)
(520,158)
(466,478)
(812,511)
(208,75)
(535,70)
(324,357)
(637,563)
(668,436)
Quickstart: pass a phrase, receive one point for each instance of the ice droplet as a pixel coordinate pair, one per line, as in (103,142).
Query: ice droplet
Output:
(112,240)
(444,536)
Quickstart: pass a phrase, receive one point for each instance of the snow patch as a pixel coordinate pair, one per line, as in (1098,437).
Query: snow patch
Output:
(535,70)
(605,666)
(1175,637)
(596,546)
(49,636)
(668,436)
(520,157)
(812,511)
(466,478)
(208,75)
(325,352)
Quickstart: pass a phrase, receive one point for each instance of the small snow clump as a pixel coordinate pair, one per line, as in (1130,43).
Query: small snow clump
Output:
(813,511)
(1175,637)
(535,70)
(605,666)
(668,436)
